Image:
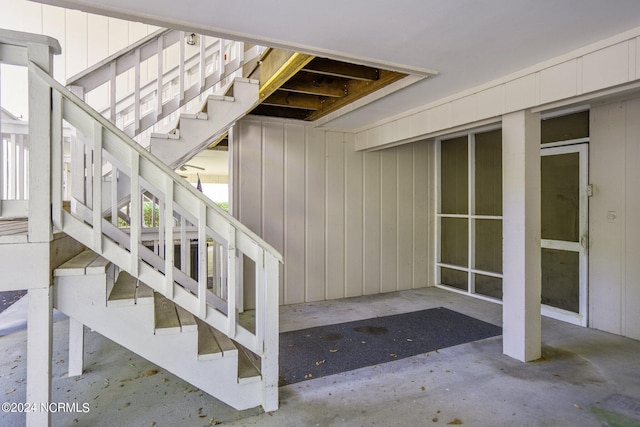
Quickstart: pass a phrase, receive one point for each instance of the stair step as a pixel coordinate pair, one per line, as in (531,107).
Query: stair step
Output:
(187,321)
(165,315)
(124,290)
(87,262)
(208,348)
(247,369)
(175,134)
(194,116)
(77,265)
(144,294)
(226,344)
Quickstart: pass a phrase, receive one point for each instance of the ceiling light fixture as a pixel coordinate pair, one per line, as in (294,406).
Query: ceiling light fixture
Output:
(192,39)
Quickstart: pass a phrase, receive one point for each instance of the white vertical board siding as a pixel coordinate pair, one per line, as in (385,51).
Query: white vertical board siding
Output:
(273,189)
(334,228)
(294,219)
(354,219)
(405,213)
(348,223)
(85,38)
(614,230)
(315,282)
(631,293)
(389,220)
(371,218)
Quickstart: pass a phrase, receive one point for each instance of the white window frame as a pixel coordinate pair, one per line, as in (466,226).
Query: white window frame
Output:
(470,216)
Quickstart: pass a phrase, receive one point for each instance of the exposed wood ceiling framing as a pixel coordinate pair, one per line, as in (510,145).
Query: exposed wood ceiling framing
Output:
(304,87)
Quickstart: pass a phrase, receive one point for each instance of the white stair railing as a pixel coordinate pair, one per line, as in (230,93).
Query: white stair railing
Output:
(14,167)
(147,81)
(185,215)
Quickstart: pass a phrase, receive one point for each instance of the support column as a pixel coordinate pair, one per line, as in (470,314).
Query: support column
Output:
(76,347)
(521,319)
(40,332)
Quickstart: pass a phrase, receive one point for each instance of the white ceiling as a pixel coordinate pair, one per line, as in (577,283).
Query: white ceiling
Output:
(468,42)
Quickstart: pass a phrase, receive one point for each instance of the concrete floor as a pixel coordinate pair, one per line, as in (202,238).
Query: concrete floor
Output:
(585,378)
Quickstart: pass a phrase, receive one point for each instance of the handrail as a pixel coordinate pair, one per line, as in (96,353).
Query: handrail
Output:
(183,210)
(187,76)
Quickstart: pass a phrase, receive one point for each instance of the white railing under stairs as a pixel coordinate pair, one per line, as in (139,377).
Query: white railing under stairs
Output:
(244,263)
(149,80)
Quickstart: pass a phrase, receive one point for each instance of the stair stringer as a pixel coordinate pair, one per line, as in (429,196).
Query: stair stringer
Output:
(83,298)
(194,133)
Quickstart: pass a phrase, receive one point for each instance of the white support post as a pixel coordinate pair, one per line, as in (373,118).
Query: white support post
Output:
(521,231)
(56,160)
(39,345)
(76,347)
(269,366)
(40,225)
(114,196)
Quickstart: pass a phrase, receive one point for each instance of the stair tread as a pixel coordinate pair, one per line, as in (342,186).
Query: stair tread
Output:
(165,314)
(187,321)
(207,345)
(98,265)
(246,366)
(77,265)
(226,344)
(144,291)
(124,289)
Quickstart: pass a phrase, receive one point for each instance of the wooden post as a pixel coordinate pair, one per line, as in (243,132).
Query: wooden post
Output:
(39,332)
(521,231)
(76,347)
(271,333)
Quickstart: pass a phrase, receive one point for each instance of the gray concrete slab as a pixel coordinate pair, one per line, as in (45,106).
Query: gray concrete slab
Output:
(585,378)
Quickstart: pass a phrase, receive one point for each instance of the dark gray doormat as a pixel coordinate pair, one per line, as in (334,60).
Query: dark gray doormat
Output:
(326,350)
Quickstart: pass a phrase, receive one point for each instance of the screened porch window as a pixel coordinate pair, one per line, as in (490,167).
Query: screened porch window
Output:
(470,214)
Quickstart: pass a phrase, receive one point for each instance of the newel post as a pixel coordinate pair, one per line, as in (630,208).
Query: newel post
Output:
(40,51)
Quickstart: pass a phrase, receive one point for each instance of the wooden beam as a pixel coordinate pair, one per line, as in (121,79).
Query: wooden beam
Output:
(313,84)
(356,89)
(285,112)
(278,67)
(294,100)
(330,67)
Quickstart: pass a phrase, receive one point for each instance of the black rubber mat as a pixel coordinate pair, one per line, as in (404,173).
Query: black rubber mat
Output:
(326,350)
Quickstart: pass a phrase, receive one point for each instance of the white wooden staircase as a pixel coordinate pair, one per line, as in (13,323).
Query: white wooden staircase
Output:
(169,288)
(195,131)
(131,314)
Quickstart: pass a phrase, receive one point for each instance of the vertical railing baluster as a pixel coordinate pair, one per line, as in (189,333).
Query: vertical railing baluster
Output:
(134,214)
(185,264)
(114,196)
(11,167)
(137,107)
(260,301)
(159,80)
(57,154)
(97,187)
(202,259)
(21,169)
(112,92)
(221,69)
(168,243)
(181,68)
(203,61)
(231,282)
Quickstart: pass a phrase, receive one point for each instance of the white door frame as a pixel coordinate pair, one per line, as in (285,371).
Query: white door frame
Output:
(582,245)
